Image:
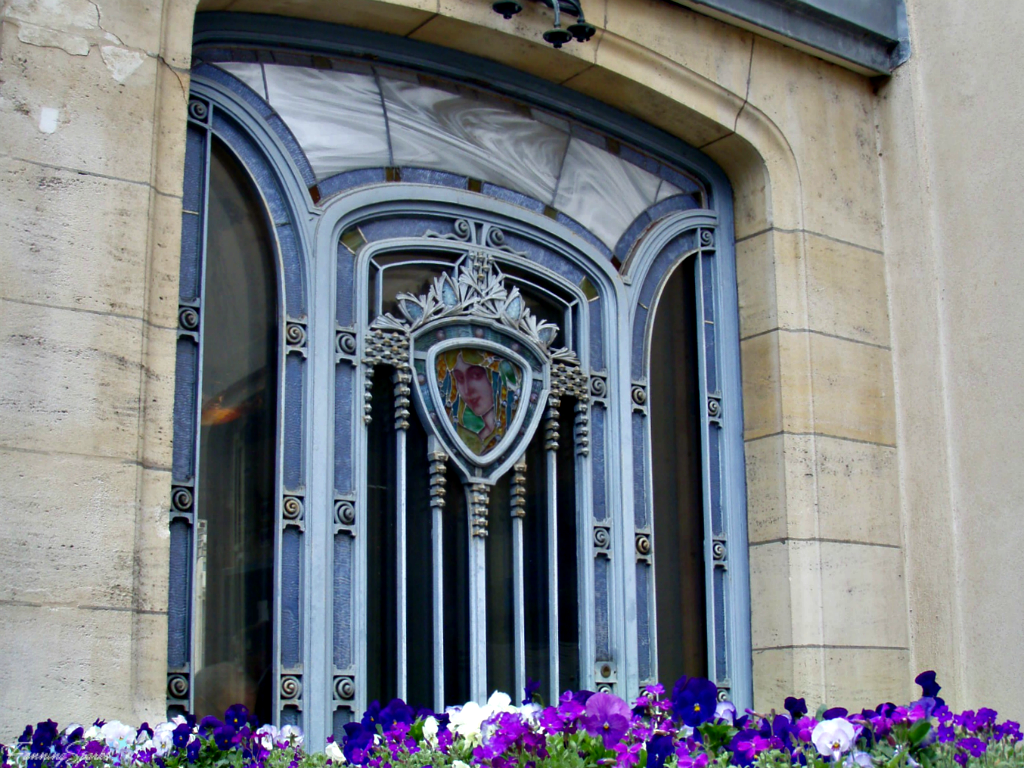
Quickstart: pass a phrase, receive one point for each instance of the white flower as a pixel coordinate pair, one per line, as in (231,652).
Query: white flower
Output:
(292,734)
(530,711)
(92,733)
(459,764)
(334,753)
(163,738)
(833,737)
(430,732)
(467,719)
(500,702)
(726,712)
(118,735)
(858,760)
(267,736)
(71,729)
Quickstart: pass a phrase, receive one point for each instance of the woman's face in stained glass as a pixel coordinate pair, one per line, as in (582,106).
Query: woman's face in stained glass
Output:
(480,393)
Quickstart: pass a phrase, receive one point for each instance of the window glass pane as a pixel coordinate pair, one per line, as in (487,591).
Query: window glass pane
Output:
(678,493)
(381,561)
(236,508)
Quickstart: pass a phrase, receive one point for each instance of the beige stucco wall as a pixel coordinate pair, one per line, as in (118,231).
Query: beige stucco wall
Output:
(839,487)
(951,132)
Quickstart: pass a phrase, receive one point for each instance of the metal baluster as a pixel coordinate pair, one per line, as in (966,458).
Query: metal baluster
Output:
(479,497)
(401,380)
(551,447)
(438,481)
(518,505)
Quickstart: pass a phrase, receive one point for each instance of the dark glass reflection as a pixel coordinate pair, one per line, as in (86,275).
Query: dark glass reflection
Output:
(235,503)
(678,492)
(382,554)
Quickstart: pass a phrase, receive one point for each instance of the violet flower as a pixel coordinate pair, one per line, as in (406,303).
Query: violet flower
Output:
(694,700)
(606,716)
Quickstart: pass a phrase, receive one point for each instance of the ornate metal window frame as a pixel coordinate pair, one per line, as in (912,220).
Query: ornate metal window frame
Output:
(322,655)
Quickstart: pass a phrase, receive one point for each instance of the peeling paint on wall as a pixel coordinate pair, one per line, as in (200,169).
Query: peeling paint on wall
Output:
(48,117)
(121,62)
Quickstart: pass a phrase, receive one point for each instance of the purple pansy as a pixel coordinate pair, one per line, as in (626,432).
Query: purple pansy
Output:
(694,700)
(606,716)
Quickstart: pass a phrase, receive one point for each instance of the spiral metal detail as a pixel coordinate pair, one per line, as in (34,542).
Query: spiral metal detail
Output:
(643,544)
(292,508)
(344,512)
(598,386)
(295,334)
(718,551)
(181,499)
(198,109)
(604,688)
(639,395)
(706,237)
(177,686)
(188,318)
(723,694)
(602,538)
(714,408)
(345,688)
(495,237)
(291,687)
(463,229)
(347,343)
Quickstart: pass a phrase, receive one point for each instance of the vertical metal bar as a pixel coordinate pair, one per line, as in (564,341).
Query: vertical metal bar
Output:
(401,380)
(518,505)
(437,458)
(479,497)
(551,447)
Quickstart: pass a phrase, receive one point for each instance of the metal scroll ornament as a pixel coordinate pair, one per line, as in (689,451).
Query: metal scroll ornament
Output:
(482,364)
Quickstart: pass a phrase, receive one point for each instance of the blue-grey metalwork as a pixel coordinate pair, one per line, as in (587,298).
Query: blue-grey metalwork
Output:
(331,230)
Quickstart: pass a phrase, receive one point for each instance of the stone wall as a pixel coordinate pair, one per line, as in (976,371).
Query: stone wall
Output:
(92,111)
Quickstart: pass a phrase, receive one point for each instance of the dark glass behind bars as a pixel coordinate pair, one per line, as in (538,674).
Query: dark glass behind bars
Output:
(678,492)
(236,510)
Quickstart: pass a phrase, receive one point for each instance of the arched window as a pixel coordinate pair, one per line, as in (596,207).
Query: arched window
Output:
(501,420)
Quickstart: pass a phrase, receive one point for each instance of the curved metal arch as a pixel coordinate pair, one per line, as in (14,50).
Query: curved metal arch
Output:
(279,185)
(727,394)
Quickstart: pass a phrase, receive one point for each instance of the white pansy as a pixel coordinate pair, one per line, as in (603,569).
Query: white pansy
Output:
(292,734)
(267,736)
(833,737)
(334,753)
(726,712)
(430,729)
(530,711)
(117,735)
(500,702)
(858,760)
(71,729)
(92,733)
(163,738)
(459,764)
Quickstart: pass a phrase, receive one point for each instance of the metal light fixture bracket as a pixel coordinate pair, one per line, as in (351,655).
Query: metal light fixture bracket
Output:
(580,31)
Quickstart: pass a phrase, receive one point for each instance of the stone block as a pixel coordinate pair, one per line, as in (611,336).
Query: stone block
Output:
(771,608)
(69,529)
(151,550)
(396,17)
(653,88)
(149,673)
(157,397)
(78,112)
(826,114)
(72,240)
(863,595)
(70,381)
(164,261)
(710,48)
(69,664)
(846,292)
(857,491)
(752,185)
(849,677)
(517,42)
(853,395)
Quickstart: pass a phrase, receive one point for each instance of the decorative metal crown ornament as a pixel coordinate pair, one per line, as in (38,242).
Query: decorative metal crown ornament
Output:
(481,364)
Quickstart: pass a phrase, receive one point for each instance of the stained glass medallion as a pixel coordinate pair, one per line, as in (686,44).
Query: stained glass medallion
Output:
(478,391)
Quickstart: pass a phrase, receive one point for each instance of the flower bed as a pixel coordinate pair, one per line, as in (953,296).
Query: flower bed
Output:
(689,729)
